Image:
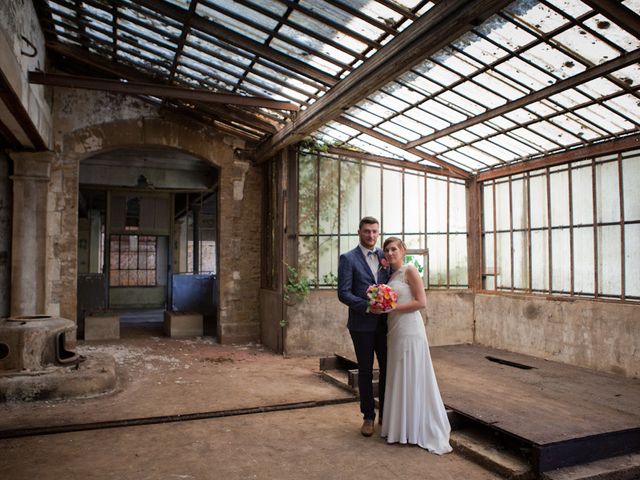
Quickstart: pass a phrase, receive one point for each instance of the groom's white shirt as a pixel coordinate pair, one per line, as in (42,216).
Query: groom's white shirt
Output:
(372,260)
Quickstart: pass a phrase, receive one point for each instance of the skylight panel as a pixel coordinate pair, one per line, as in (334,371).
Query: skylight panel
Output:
(464,136)
(464,106)
(552,60)
(605,118)
(376,109)
(322,64)
(551,131)
(526,74)
(351,132)
(480,95)
(521,116)
(276,91)
(582,129)
(487,152)
(412,124)
(598,87)
(98,13)
(450,142)
(427,118)
(401,91)
(569,98)
(539,142)
(316,45)
(571,7)
(436,73)
(363,117)
(434,148)
(381,148)
(626,105)
(543,108)
(402,133)
(629,75)
(459,63)
(614,34)
(464,161)
(330,129)
(510,143)
(342,17)
(192,56)
(56,8)
(501,122)
(497,82)
(586,46)
(482,130)
(327,31)
(505,33)
(292,81)
(390,101)
(166,40)
(194,68)
(479,48)
(220,19)
(537,15)
(104,37)
(420,83)
(232,8)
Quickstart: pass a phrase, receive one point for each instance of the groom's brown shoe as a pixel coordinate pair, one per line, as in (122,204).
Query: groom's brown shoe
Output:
(367,428)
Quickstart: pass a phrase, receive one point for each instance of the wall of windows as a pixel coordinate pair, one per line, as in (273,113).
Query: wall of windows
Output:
(427,211)
(133,260)
(571,229)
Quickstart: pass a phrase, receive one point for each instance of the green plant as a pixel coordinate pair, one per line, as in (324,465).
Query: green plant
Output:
(296,285)
(330,279)
(414,261)
(310,144)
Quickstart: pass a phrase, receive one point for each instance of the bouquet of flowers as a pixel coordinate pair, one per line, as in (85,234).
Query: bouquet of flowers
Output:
(382,298)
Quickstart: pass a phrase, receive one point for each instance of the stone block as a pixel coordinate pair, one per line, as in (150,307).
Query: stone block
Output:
(102,326)
(183,324)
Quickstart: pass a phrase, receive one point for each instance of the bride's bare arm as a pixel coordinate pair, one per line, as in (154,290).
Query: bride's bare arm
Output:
(412,277)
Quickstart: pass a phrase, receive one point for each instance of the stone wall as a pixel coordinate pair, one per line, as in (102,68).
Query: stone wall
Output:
(318,325)
(5,235)
(90,122)
(599,335)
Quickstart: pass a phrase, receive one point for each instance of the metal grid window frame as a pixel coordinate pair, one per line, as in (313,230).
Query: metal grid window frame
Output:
(133,260)
(577,213)
(441,250)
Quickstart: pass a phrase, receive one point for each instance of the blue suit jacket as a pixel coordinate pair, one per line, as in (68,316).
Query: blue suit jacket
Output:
(354,277)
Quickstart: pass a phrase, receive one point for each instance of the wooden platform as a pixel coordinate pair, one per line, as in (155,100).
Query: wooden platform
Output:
(558,414)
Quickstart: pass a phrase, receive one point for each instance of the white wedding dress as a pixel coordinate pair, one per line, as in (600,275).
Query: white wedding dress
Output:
(413,408)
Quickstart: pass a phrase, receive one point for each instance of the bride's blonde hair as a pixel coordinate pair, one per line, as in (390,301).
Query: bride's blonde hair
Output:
(394,240)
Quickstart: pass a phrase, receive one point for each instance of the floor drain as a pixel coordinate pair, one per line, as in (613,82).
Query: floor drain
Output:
(508,362)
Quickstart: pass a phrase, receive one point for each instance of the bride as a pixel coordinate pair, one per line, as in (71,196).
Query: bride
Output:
(413,408)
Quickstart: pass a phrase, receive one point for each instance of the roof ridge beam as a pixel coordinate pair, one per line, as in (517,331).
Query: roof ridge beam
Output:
(438,27)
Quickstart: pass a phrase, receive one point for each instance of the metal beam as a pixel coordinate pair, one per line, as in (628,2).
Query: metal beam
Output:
(618,14)
(590,74)
(368,157)
(392,141)
(595,150)
(155,90)
(438,27)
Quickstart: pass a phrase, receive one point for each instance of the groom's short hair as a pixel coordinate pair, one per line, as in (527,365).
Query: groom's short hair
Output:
(368,221)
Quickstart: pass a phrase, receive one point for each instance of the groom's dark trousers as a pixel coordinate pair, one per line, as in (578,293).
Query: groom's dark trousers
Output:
(368,331)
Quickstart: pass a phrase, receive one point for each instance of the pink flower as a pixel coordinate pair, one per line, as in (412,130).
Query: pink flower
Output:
(384,263)
(381,297)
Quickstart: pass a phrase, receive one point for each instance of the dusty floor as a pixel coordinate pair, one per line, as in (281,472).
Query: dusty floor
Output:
(159,376)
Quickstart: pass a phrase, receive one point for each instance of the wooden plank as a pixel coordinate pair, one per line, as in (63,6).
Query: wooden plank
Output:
(155,90)
(438,27)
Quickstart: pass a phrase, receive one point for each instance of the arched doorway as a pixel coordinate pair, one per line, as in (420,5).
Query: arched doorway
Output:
(147,237)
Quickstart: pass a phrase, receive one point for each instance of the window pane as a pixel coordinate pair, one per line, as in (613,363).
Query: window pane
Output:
(371,192)
(519,203)
(457,207)
(540,260)
(307,194)
(307,257)
(487,205)
(414,204)
(538,196)
(559,199)
(392,202)
(328,259)
(561,260)
(348,243)
(632,260)
(458,274)
(520,260)
(328,202)
(437,259)
(583,261)
(607,192)
(436,205)
(349,197)
(582,195)
(503,259)
(631,180)
(502,206)
(609,259)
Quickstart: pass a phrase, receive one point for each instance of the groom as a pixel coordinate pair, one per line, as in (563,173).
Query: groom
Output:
(358,269)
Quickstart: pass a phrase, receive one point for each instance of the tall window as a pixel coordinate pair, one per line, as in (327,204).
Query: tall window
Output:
(133,260)
(427,211)
(571,230)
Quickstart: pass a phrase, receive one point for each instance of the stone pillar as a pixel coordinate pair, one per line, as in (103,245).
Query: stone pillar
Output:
(29,239)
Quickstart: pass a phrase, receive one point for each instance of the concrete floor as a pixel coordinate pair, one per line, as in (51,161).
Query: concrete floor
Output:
(160,376)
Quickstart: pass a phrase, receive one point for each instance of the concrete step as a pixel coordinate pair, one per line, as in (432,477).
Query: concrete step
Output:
(624,467)
(338,377)
(480,447)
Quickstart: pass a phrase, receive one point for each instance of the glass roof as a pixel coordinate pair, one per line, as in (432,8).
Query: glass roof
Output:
(538,77)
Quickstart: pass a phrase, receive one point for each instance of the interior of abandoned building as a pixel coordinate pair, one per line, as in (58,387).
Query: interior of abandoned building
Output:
(185,174)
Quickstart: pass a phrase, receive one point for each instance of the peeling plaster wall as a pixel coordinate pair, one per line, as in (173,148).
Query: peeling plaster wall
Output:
(18,19)
(318,325)
(5,235)
(602,336)
(89,122)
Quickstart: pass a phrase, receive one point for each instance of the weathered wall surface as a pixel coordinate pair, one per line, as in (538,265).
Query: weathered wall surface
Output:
(270,316)
(90,122)
(18,21)
(318,325)
(5,235)
(598,335)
